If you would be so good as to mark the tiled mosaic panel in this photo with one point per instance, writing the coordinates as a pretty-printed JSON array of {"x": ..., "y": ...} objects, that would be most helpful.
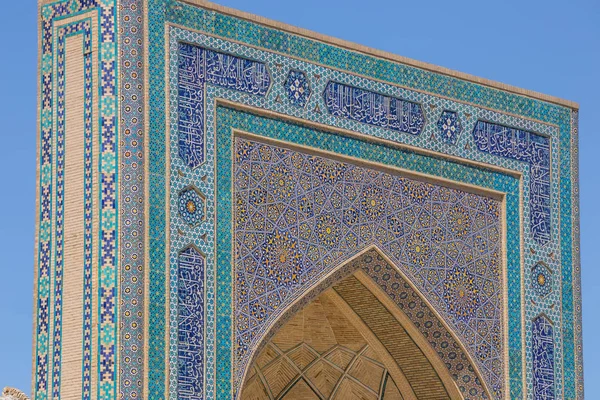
[
  {"x": 197, "y": 67},
  {"x": 190, "y": 329},
  {"x": 529, "y": 147},
  {"x": 449, "y": 126},
  {"x": 132, "y": 200},
  {"x": 513, "y": 307},
  {"x": 542, "y": 280},
  {"x": 222, "y": 25},
  {"x": 298, "y": 216},
  {"x": 191, "y": 206},
  {"x": 373, "y": 108},
  {"x": 50, "y": 243},
  {"x": 378, "y": 154},
  {"x": 297, "y": 88},
  {"x": 543, "y": 359}
]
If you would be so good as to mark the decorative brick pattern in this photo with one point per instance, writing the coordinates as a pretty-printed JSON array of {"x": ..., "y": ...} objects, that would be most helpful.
[{"x": 51, "y": 212}]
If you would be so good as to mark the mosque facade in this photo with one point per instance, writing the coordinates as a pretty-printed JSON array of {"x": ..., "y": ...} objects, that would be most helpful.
[{"x": 233, "y": 208}]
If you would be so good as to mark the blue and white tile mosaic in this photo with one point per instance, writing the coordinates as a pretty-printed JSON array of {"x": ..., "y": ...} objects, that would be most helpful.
[
  {"x": 190, "y": 328},
  {"x": 529, "y": 147},
  {"x": 192, "y": 206},
  {"x": 543, "y": 359},
  {"x": 542, "y": 280},
  {"x": 449, "y": 126},
  {"x": 373, "y": 108},
  {"x": 297, "y": 88}
]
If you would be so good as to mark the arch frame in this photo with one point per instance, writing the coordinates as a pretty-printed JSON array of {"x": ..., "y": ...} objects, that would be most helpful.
[
  {"x": 518, "y": 373},
  {"x": 340, "y": 273}
]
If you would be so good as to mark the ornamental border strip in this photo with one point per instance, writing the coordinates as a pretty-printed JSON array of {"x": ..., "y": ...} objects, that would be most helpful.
[{"x": 108, "y": 127}]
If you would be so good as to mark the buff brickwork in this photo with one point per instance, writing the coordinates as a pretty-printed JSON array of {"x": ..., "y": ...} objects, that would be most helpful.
[{"x": 245, "y": 166}]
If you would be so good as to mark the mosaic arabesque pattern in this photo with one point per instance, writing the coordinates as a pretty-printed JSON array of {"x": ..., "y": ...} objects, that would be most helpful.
[
  {"x": 297, "y": 216},
  {"x": 449, "y": 126},
  {"x": 297, "y": 88},
  {"x": 543, "y": 359},
  {"x": 542, "y": 280},
  {"x": 192, "y": 207},
  {"x": 245, "y": 31},
  {"x": 49, "y": 267},
  {"x": 132, "y": 200}
]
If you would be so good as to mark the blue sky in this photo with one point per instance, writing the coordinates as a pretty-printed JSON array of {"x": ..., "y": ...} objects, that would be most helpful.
[{"x": 548, "y": 46}]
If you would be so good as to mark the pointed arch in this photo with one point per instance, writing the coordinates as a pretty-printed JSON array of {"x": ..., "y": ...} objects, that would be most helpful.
[{"x": 357, "y": 290}]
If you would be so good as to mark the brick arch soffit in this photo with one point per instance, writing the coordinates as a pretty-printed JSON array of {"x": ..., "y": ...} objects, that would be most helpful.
[{"x": 351, "y": 267}]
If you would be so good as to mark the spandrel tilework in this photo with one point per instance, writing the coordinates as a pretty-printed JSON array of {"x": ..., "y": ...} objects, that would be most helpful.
[
  {"x": 170, "y": 183},
  {"x": 297, "y": 216}
]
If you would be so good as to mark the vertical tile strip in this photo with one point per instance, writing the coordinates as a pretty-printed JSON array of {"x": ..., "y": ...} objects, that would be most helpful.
[
  {"x": 49, "y": 194},
  {"x": 131, "y": 305}
]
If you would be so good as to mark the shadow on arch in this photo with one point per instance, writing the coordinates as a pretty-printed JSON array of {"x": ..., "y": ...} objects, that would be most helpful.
[{"x": 364, "y": 332}]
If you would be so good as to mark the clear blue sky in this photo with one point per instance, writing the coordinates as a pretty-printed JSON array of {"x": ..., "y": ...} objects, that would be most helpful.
[{"x": 544, "y": 45}]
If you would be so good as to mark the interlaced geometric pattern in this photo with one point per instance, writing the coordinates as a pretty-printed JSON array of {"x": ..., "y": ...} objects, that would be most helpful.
[
  {"x": 298, "y": 215},
  {"x": 191, "y": 206},
  {"x": 541, "y": 280},
  {"x": 543, "y": 359},
  {"x": 449, "y": 126}
]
